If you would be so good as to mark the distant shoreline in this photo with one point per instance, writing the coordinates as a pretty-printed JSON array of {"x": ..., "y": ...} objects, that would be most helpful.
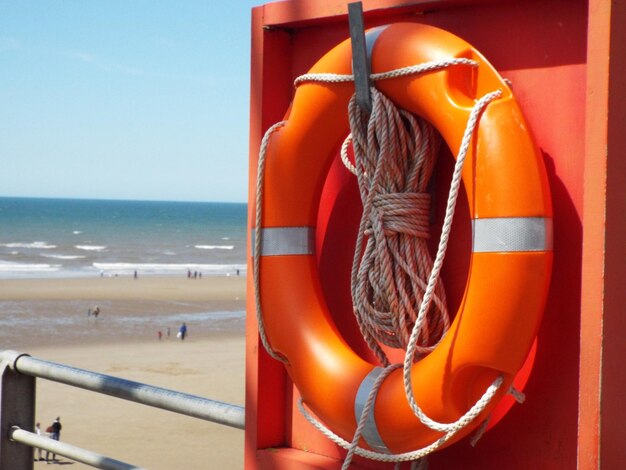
[{"x": 153, "y": 287}]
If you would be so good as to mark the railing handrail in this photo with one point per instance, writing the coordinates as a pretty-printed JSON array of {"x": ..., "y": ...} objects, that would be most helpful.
[
  {"x": 14, "y": 365},
  {"x": 178, "y": 402},
  {"x": 77, "y": 454}
]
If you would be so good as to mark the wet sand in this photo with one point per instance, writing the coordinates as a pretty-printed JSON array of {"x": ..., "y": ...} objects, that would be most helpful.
[
  {"x": 209, "y": 288},
  {"x": 52, "y": 312},
  {"x": 209, "y": 363}
]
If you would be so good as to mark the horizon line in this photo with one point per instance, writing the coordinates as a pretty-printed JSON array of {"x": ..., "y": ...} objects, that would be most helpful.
[{"x": 121, "y": 199}]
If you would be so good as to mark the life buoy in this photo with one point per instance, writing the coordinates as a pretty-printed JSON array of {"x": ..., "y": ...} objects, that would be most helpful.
[{"x": 510, "y": 207}]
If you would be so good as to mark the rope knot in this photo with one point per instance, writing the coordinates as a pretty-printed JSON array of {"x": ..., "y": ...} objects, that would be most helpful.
[{"x": 405, "y": 213}]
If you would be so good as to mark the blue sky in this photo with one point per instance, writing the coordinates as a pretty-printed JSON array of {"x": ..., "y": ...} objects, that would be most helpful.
[{"x": 130, "y": 99}]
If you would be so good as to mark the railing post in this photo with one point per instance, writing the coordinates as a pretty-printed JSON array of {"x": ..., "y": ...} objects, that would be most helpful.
[{"x": 17, "y": 408}]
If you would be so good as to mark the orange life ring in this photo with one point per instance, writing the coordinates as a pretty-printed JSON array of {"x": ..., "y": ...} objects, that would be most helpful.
[{"x": 511, "y": 259}]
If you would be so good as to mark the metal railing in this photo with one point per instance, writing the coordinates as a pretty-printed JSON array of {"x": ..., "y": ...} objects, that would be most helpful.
[
  {"x": 77, "y": 454},
  {"x": 17, "y": 408}
]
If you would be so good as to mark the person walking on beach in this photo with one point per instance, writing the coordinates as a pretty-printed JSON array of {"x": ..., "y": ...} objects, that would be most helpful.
[
  {"x": 182, "y": 331},
  {"x": 38, "y": 432},
  {"x": 96, "y": 311},
  {"x": 55, "y": 433}
]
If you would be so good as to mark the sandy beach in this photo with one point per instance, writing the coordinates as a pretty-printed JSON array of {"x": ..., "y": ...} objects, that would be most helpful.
[
  {"x": 209, "y": 289},
  {"x": 209, "y": 363}
]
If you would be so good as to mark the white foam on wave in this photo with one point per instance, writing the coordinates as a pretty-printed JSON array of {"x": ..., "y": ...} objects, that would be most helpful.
[
  {"x": 35, "y": 245},
  {"x": 55, "y": 256},
  {"x": 77, "y": 232},
  {"x": 90, "y": 247},
  {"x": 11, "y": 267},
  {"x": 215, "y": 247}
]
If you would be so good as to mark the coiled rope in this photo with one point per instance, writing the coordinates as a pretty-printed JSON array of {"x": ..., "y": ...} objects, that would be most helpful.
[
  {"x": 395, "y": 155},
  {"x": 394, "y": 280}
]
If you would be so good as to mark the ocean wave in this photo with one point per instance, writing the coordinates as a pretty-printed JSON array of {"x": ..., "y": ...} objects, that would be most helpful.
[
  {"x": 36, "y": 245},
  {"x": 10, "y": 267},
  {"x": 77, "y": 232},
  {"x": 215, "y": 247},
  {"x": 90, "y": 247},
  {"x": 52, "y": 255}
]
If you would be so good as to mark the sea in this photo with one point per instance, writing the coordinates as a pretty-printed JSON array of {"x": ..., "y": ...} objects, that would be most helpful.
[
  {"x": 70, "y": 238},
  {"x": 42, "y": 238}
]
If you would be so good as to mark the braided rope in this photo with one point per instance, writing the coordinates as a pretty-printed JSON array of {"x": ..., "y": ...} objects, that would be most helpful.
[
  {"x": 260, "y": 177},
  {"x": 480, "y": 105},
  {"x": 367, "y": 409},
  {"x": 402, "y": 457},
  {"x": 405, "y": 140},
  {"x": 518, "y": 396},
  {"x": 401, "y": 72},
  {"x": 479, "y": 432}
]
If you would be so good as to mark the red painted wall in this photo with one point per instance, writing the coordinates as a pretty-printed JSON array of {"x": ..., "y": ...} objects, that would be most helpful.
[{"x": 556, "y": 53}]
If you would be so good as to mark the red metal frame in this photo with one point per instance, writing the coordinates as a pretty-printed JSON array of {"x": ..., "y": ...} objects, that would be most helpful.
[{"x": 567, "y": 62}]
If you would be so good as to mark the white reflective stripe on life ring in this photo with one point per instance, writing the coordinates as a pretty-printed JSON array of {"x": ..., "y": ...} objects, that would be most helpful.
[
  {"x": 510, "y": 234},
  {"x": 276, "y": 241},
  {"x": 370, "y": 431}
]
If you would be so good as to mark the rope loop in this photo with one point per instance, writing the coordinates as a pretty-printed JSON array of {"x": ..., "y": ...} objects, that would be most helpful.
[
  {"x": 433, "y": 278},
  {"x": 260, "y": 177},
  {"x": 401, "y": 72}
]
